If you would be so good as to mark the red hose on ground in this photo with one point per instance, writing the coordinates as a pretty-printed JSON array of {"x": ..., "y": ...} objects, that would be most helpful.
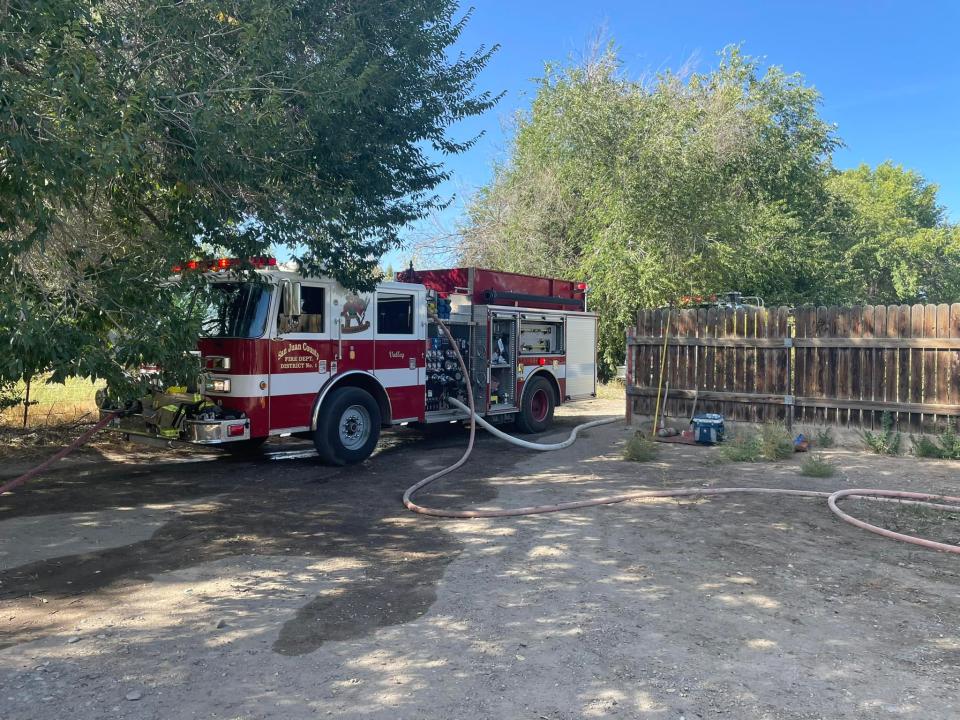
[
  {"x": 16, "y": 482},
  {"x": 911, "y": 498}
]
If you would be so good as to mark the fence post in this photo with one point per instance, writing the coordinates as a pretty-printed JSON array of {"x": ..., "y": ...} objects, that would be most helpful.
[
  {"x": 628, "y": 373},
  {"x": 788, "y": 398}
]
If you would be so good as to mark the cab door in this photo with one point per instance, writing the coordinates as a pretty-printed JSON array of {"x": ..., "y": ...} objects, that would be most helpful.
[
  {"x": 400, "y": 335},
  {"x": 301, "y": 358}
]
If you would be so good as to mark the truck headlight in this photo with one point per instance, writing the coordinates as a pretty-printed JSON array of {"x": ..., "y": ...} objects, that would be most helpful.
[{"x": 217, "y": 385}]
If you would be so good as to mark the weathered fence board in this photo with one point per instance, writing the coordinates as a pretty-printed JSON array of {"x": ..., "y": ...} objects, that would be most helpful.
[{"x": 840, "y": 365}]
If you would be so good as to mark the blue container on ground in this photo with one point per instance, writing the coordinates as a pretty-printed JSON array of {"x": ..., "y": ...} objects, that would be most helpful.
[{"x": 708, "y": 428}]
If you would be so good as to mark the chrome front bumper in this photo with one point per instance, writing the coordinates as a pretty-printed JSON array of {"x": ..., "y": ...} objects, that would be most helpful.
[
  {"x": 199, "y": 432},
  {"x": 214, "y": 432}
]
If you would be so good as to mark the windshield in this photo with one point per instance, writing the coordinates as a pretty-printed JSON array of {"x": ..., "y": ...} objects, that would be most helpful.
[{"x": 237, "y": 310}]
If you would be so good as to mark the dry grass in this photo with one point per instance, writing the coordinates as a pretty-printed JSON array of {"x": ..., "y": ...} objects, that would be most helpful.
[
  {"x": 817, "y": 466},
  {"x": 742, "y": 447},
  {"x": 15, "y": 442},
  {"x": 613, "y": 390},
  {"x": 56, "y": 404},
  {"x": 775, "y": 442},
  {"x": 640, "y": 448},
  {"x": 772, "y": 443}
]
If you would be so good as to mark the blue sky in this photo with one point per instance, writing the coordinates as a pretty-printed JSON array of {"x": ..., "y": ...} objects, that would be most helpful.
[{"x": 889, "y": 72}]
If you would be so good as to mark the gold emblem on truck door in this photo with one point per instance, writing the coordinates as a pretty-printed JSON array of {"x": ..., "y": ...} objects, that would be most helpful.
[{"x": 353, "y": 313}]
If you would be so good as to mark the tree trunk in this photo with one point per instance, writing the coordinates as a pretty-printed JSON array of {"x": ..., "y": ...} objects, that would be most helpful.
[{"x": 26, "y": 403}]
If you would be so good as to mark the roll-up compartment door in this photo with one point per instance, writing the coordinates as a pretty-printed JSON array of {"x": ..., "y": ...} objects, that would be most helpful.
[{"x": 581, "y": 371}]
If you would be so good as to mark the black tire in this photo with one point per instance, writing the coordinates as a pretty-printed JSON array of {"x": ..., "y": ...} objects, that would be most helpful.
[
  {"x": 536, "y": 406},
  {"x": 245, "y": 448},
  {"x": 358, "y": 414}
]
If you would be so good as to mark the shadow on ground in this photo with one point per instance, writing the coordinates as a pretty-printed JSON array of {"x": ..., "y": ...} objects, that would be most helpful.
[{"x": 255, "y": 508}]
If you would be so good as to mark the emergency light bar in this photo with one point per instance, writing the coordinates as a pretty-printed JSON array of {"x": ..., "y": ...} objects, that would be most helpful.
[{"x": 225, "y": 263}]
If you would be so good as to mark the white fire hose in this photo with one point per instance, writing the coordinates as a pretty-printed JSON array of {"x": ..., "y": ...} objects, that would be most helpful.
[{"x": 494, "y": 430}]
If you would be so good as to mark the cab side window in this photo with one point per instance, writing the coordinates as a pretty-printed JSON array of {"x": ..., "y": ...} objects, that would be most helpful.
[
  {"x": 311, "y": 317},
  {"x": 394, "y": 314}
]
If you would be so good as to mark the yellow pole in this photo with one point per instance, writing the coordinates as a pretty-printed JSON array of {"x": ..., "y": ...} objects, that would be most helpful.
[{"x": 663, "y": 366}]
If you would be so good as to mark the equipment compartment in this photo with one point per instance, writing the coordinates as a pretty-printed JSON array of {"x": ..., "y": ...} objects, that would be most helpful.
[
  {"x": 541, "y": 338},
  {"x": 503, "y": 363}
]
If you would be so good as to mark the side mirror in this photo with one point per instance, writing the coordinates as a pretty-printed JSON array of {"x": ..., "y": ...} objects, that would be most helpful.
[{"x": 291, "y": 297}]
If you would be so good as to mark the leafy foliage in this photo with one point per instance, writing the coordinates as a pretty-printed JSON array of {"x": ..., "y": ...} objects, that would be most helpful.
[
  {"x": 655, "y": 190},
  {"x": 742, "y": 447},
  {"x": 775, "y": 442},
  {"x": 896, "y": 243},
  {"x": 945, "y": 446},
  {"x": 10, "y": 395},
  {"x": 135, "y": 134},
  {"x": 885, "y": 442},
  {"x": 825, "y": 438},
  {"x": 771, "y": 443},
  {"x": 674, "y": 186}
]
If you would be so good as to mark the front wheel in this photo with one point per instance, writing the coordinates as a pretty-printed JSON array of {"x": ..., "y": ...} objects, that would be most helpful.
[
  {"x": 348, "y": 427},
  {"x": 536, "y": 407}
]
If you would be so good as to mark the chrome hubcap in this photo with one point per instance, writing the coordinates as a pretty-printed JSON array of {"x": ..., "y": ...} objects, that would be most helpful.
[{"x": 354, "y": 427}]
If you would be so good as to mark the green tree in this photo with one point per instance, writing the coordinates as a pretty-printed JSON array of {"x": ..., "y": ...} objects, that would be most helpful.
[
  {"x": 658, "y": 189},
  {"x": 896, "y": 243},
  {"x": 134, "y": 134}
]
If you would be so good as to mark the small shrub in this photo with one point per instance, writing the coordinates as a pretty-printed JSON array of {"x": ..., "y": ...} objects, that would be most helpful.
[
  {"x": 946, "y": 446},
  {"x": 742, "y": 448},
  {"x": 885, "y": 442},
  {"x": 825, "y": 438},
  {"x": 815, "y": 465},
  {"x": 925, "y": 447},
  {"x": 775, "y": 442},
  {"x": 949, "y": 440},
  {"x": 640, "y": 448}
]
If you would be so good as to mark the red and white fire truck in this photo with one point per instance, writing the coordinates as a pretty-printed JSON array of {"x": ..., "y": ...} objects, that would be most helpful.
[{"x": 286, "y": 354}]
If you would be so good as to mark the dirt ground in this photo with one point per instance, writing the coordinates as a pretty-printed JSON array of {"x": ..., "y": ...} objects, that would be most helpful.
[{"x": 195, "y": 585}]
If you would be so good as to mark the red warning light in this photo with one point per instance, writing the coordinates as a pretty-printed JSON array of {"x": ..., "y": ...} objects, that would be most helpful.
[
  {"x": 582, "y": 286},
  {"x": 260, "y": 262},
  {"x": 193, "y": 264}
]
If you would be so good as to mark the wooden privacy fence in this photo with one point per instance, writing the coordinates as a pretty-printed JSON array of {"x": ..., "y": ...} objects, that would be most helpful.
[{"x": 838, "y": 365}]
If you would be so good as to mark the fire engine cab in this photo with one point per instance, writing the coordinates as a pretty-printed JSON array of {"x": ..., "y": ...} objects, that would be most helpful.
[{"x": 285, "y": 354}]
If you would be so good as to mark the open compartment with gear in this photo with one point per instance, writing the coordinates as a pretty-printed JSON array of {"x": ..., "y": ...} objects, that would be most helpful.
[
  {"x": 541, "y": 334},
  {"x": 503, "y": 363},
  {"x": 444, "y": 376}
]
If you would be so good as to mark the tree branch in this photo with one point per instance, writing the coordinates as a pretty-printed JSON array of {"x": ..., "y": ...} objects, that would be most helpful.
[{"x": 151, "y": 216}]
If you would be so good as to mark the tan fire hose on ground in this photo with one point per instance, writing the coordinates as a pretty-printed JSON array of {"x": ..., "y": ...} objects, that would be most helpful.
[{"x": 832, "y": 498}]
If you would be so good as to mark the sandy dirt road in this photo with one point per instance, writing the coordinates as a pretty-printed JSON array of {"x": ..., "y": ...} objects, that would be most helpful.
[{"x": 217, "y": 588}]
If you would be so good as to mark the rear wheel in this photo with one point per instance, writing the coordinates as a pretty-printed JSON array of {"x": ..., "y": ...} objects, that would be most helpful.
[
  {"x": 348, "y": 427},
  {"x": 536, "y": 406}
]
